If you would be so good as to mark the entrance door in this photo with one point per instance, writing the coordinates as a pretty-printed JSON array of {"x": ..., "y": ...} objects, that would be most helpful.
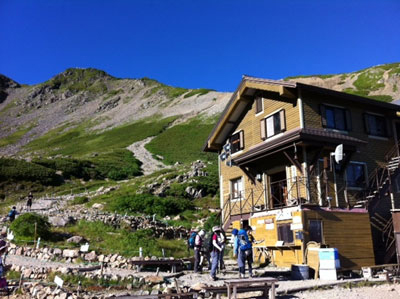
[{"x": 278, "y": 189}]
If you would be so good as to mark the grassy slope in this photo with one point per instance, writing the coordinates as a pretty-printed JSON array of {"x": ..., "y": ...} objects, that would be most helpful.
[
  {"x": 77, "y": 142},
  {"x": 183, "y": 143}
]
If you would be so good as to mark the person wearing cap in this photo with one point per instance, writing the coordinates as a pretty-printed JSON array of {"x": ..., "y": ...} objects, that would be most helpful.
[
  {"x": 215, "y": 253},
  {"x": 198, "y": 243}
]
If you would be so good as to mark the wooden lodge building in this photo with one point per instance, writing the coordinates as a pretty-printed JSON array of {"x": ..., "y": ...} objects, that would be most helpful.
[{"x": 276, "y": 140}]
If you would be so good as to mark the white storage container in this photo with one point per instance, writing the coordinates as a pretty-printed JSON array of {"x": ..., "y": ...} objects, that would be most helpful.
[{"x": 327, "y": 274}]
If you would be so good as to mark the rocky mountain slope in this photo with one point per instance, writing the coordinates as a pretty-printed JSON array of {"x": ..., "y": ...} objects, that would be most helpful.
[
  {"x": 92, "y": 96},
  {"x": 381, "y": 82},
  {"x": 99, "y": 101}
]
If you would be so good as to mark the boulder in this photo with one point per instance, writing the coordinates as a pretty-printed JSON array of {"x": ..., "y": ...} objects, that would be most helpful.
[
  {"x": 75, "y": 239},
  {"x": 72, "y": 253},
  {"x": 198, "y": 286},
  {"x": 91, "y": 256},
  {"x": 98, "y": 206},
  {"x": 58, "y": 221}
]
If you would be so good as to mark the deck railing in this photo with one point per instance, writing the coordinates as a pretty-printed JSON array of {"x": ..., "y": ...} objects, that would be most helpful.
[{"x": 283, "y": 193}]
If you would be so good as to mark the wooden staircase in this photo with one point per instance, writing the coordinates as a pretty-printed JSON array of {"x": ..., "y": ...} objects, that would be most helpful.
[{"x": 377, "y": 198}]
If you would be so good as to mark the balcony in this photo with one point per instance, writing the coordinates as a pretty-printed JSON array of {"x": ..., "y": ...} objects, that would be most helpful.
[{"x": 278, "y": 194}]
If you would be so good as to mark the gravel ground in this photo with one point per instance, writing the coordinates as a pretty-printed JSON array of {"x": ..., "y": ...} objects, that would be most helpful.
[
  {"x": 150, "y": 164},
  {"x": 385, "y": 291}
]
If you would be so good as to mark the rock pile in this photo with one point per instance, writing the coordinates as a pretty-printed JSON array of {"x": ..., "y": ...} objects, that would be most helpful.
[
  {"x": 196, "y": 170},
  {"x": 76, "y": 256},
  {"x": 160, "y": 229}
]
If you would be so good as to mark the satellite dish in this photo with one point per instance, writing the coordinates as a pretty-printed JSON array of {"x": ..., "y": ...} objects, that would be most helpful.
[{"x": 339, "y": 153}]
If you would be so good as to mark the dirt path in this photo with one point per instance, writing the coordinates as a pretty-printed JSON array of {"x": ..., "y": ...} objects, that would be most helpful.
[{"x": 150, "y": 164}]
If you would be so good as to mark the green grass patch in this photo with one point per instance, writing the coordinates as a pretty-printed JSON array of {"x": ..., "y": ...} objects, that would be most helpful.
[
  {"x": 15, "y": 137},
  {"x": 369, "y": 80},
  {"x": 8, "y": 107},
  {"x": 149, "y": 204},
  {"x": 79, "y": 200},
  {"x": 198, "y": 92},
  {"x": 107, "y": 239},
  {"x": 20, "y": 170},
  {"x": 183, "y": 143},
  {"x": 30, "y": 226},
  {"x": 77, "y": 142},
  {"x": 76, "y": 80}
]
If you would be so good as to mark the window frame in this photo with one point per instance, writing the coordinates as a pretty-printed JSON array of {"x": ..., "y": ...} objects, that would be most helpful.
[
  {"x": 281, "y": 115},
  {"x": 261, "y": 99},
  {"x": 367, "y": 125},
  {"x": 231, "y": 189},
  {"x": 364, "y": 164},
  {"x": 346, "y": 116},
  {"x": 239, "y": 140},
  {"x": 279, "y": 236},
  {"x": 321, "y": 233}
]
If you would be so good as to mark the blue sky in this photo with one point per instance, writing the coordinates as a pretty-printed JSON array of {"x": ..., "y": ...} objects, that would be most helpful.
[{"x": 196, "y": 43}]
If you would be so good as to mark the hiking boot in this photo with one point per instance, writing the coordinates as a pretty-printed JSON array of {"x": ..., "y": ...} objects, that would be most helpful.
[{"x": 215, "y": 278}]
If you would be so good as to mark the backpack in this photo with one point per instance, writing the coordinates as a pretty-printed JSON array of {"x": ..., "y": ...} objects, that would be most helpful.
[
  {"x": 11, "y": 213},
  {"x": 192, "y": 239},
  {"x": 244, "y": 243}
]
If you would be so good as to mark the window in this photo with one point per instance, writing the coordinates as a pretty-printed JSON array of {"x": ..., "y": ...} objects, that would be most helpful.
[
  {"x": 315, "y": 230},
  {"x": 355, "y": 175},
  {"x": 375, "y": 125},
  {"x": 335, "y": 118},
  {"x": 237, "y": 189},
  {"x": 259, "y": 105},
  {"x": 237, "y": 142},
  {"x": 273, "y": 124},
  {"x": 285, "y": 234}
]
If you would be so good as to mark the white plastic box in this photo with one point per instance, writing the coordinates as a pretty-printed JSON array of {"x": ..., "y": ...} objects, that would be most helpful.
[{"x": 327, "y": 274}]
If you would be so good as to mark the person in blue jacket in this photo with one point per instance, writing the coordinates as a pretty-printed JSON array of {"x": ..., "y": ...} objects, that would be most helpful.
[{"x": 244, "y": 251}]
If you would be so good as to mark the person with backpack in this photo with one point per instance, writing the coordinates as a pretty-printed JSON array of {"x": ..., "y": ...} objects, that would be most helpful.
[
  {"x": 11, "y": 215},
  {"x": 216, "y": 252},
  {"x": 198, "y": 243},
  {"x": 244, "y": 252},
  {"x": 191, "y": 240}
]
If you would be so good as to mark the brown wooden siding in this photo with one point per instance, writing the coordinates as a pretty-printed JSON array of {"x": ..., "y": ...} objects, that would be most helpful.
[{"x": 349, "y": 232}]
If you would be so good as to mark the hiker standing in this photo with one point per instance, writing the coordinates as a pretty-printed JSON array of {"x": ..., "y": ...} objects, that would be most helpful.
[
  {"x": 222, "y": 241},
  {"x": 244, "y": 252},
  {"x": 215, "y": 253},
  {"x": 198, "y": 243},
  {"x": 29, "y": 202},
  {"x": 12, "y": 214}
]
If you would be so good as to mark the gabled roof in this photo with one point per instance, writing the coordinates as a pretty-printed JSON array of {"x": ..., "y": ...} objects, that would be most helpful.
[{"x": 243, "y": 98}]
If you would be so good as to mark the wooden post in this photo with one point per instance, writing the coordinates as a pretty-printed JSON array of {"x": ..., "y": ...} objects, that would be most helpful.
[
  {"x": 34, "y": 236},
  {"x": 178, "y": 290},
  {"x": 272, "y": 291}
]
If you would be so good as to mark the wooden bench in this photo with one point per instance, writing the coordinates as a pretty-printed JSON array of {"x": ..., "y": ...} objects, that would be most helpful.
[{"x": 266, "y": 284}]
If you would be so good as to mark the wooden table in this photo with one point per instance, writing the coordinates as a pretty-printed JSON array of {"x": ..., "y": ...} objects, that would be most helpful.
[{"x": 267, "y": 282}]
